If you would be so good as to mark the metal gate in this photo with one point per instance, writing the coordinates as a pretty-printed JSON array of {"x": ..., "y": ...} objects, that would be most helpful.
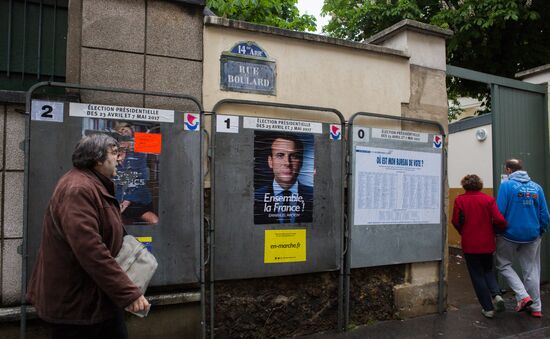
[{"x": 520, "y": 130}]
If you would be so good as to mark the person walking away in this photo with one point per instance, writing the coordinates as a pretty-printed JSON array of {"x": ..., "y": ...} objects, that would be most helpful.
[
  {"x": 474, "y": 214},
  {"x": 523, "y": 204}
]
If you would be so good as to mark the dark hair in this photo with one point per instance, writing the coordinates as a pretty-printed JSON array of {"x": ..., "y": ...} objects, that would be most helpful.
[
  {"x": 298, "y": 144},
  {"x": 514, "y": 164},
  {"x": 92, "y": 149},
  {"x": 472, "y": 182}
]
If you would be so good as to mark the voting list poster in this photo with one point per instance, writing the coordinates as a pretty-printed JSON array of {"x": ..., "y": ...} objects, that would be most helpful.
[{"x": 396, "y": 186}]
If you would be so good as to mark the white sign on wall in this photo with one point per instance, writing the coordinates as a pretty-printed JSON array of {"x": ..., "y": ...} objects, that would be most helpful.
[{"x": 397, "y": 186}]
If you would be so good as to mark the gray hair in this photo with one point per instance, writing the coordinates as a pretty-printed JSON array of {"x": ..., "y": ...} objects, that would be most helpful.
[{"x": 92, "y": 149}]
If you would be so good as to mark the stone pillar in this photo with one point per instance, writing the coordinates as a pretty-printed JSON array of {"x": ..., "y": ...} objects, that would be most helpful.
[{"x": 428, "y": 100}]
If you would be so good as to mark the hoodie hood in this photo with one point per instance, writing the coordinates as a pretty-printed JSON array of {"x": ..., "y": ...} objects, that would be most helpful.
[{"x": 520, "y": 176}]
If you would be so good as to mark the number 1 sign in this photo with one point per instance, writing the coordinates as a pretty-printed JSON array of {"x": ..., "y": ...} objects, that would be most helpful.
[{"x": 227, "y": 123}]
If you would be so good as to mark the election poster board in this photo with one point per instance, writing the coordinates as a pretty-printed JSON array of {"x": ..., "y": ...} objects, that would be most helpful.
[
  {"x": 158, "y": 182},
  {"x": 269, "y": 176},
  {"x": 397, "y": 196}
]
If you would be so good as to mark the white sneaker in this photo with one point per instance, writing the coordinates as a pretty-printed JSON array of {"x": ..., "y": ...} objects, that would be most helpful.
[
  {"x": 498, "y": 302},
  {"x": 488, "y": 314}
]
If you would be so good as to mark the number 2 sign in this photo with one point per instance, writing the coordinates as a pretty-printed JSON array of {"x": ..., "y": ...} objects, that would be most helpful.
[{"x": 47, "y": 111}]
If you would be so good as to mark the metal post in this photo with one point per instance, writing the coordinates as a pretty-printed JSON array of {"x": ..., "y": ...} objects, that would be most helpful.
[
  {"x": 442, "y": 294},
  {"x": 349, "y": 179},
  {"x": 24, "y": 41},
  {"x": 211, "y": 230},
  {"x": 52, "y": 76},
  {"x": 8, "y": 56},
  {"x": 39, "y": 49}
]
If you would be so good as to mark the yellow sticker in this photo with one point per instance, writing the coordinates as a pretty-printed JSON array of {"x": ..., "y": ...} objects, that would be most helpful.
[
  {"x": 284, "y": 246},
  {"x": 144, "y": 239}
]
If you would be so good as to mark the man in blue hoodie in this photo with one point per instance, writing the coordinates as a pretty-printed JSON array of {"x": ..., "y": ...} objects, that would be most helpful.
[{"x": 522, "y": 203}]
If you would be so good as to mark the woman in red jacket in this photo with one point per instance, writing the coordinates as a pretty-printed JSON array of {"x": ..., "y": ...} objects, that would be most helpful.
[{"x": 474, "y": 216}]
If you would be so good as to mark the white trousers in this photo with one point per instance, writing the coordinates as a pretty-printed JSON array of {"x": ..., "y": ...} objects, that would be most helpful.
[{"x": 528, "y": 256}]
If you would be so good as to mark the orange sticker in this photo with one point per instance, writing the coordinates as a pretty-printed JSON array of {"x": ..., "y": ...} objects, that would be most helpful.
[{"x": 147, "y": 142}]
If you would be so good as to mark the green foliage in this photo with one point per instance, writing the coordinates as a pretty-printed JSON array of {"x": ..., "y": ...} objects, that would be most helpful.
[
  {"x": 359, "y": 19},
  {"x": 277, "y": 13},
  {"x": 454, "y": 109},
  {"x": 500, "y": 37}
]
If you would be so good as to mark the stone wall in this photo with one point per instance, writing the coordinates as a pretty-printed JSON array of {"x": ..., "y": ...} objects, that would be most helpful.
[
  {"x": 148, "y": 45},
  {"x": 12, "y": 131},
  {"x": 401, "y": 72}
]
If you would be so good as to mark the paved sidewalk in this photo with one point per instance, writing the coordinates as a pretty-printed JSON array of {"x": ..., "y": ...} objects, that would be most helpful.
[
  {"x": 467, "y": 322},
  {"x": 463, "y": 318}
]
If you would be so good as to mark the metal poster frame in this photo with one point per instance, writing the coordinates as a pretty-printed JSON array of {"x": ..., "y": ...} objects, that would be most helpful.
[
  {"x": 24, "y": 253},
  {"x": 211, "y": 230},
  {"x": 351, "y": 193}
]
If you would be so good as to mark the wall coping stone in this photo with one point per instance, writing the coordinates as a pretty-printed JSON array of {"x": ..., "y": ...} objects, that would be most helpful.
[
  {"x": 192, "y": 2},
  {"x": 532, "y": 71},
  {"x": 242, "y": 25},
  {"x": 470, "y": 122},
  {"x": 410, "y": 25}
]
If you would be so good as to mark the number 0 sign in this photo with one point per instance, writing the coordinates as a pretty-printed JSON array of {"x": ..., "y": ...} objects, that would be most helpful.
[{"x": 47, "y": 111}]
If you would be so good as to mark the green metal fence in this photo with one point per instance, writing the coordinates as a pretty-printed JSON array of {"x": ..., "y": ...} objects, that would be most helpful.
[
  {"x": 520, "y": 130},
  {"x": 33, "y": 42}
]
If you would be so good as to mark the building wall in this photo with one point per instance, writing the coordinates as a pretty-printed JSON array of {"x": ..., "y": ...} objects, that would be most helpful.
[
  {"x": 12, "y": 129},
  {"x": 372, "y": 78},
  {"x": 143, "y": 45},
  {"x": 313, "y": 73},
  {"x": 467, "y": 155},
  {"x": 538, "y": 78}
]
